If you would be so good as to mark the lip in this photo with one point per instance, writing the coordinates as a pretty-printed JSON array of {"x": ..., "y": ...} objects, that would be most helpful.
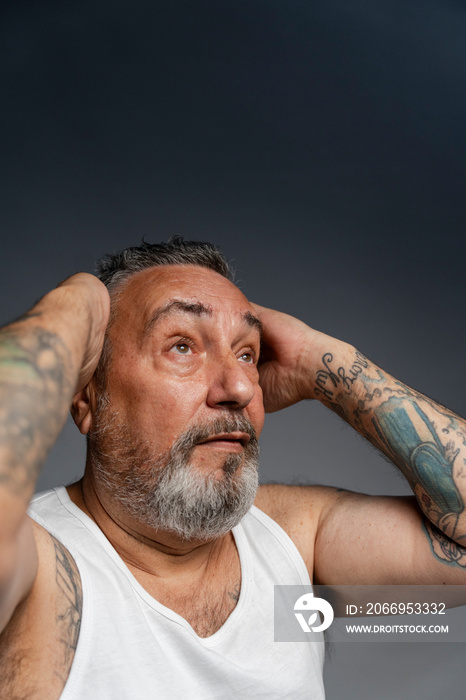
[{"x": 229, "y": 439}]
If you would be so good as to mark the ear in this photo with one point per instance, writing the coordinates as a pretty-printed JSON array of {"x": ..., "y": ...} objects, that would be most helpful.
[{"x": 82, "y": 408}]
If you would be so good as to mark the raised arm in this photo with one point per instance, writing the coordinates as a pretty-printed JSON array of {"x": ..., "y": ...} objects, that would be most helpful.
[
  {"x": 45, "y": 357},
  {"x": 426, "y": 441}
]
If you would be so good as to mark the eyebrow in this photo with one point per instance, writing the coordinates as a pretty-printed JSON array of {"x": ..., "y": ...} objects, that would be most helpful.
[
  {"x": 253, "y": 322},
  {"x": 196, "y": 309},
  {"x": 177, "y": 305}
]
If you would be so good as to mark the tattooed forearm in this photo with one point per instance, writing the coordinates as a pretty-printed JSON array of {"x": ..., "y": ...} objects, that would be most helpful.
[
  {"x": 332, "y": 377},
  {"x": 426, "y": 441},
  {"x": 412, "y": 440},
  {"x": 35, "y": 391}
]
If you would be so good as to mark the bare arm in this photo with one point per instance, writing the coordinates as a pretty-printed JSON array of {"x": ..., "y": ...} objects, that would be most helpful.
[
  {"x": 45, "y": 357},
  {"x": 426, "y": 441}
]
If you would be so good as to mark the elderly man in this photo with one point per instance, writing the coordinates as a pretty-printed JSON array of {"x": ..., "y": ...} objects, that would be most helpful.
[{"x": 153, "y": 576}]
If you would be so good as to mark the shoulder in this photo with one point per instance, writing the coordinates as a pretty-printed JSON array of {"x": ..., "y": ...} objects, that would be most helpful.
[
  {"x": 38, "y": 645},
  {"x": 289, "y": 505},
  {"x": 298, "y": 510}
]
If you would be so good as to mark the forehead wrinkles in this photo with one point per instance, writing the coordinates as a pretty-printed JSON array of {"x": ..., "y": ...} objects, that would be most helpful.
[{"x": 154, "y": 294}]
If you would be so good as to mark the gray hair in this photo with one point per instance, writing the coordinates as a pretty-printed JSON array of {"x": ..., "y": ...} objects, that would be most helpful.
[{"x": 114, "y": 269}]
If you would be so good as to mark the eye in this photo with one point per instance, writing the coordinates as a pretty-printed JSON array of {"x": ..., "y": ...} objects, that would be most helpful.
[
  {"x": 247, "y": 357},
  {"x": 181, "y": 349}
]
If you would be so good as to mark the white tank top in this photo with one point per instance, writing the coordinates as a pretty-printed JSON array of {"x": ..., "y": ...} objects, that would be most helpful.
[{"x": 131, "y": 647}]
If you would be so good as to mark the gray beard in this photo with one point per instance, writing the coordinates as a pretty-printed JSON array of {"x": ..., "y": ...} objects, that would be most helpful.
[{"x": 167, "y": 493}]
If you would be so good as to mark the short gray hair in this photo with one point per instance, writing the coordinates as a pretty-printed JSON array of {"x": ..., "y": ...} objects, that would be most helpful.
[{"x": 115, "y": 268}]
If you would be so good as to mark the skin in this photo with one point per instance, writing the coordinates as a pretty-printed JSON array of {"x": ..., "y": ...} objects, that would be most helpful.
[
  {"x": 169, "y": 371},
  {"x": 167, "y": 375}
]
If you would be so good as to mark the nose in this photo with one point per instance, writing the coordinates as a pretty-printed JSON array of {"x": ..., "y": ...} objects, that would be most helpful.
[{"x": 230, "y": 384}]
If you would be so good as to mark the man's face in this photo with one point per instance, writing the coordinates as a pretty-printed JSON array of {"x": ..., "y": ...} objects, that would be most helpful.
[{"x": 185, "y": 345}]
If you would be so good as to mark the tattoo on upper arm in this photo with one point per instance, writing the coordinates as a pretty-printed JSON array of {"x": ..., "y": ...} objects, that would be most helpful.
[
  {"x": 69, "y": 611},
  {"x": 443, "y": 547},
  {"x": 235, "y": 593},
  {"x": 35, "y": 391}
]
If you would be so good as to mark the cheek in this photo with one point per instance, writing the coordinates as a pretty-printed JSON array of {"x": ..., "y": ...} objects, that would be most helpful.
[
  {"x": 162, "y": 407},
  {"x": 256, "y": 411}
]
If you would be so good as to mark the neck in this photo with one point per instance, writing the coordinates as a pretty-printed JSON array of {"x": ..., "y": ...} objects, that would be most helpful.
[{"x": 155, "y": 552}]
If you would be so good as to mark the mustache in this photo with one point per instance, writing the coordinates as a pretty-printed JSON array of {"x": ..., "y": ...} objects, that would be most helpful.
[
  {"x": 224, "y": 424},
  {"x": 107, "y": 431}
]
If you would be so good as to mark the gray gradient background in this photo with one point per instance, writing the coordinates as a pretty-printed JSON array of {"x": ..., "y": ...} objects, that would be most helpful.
[{"x": 321, "y": 145}]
